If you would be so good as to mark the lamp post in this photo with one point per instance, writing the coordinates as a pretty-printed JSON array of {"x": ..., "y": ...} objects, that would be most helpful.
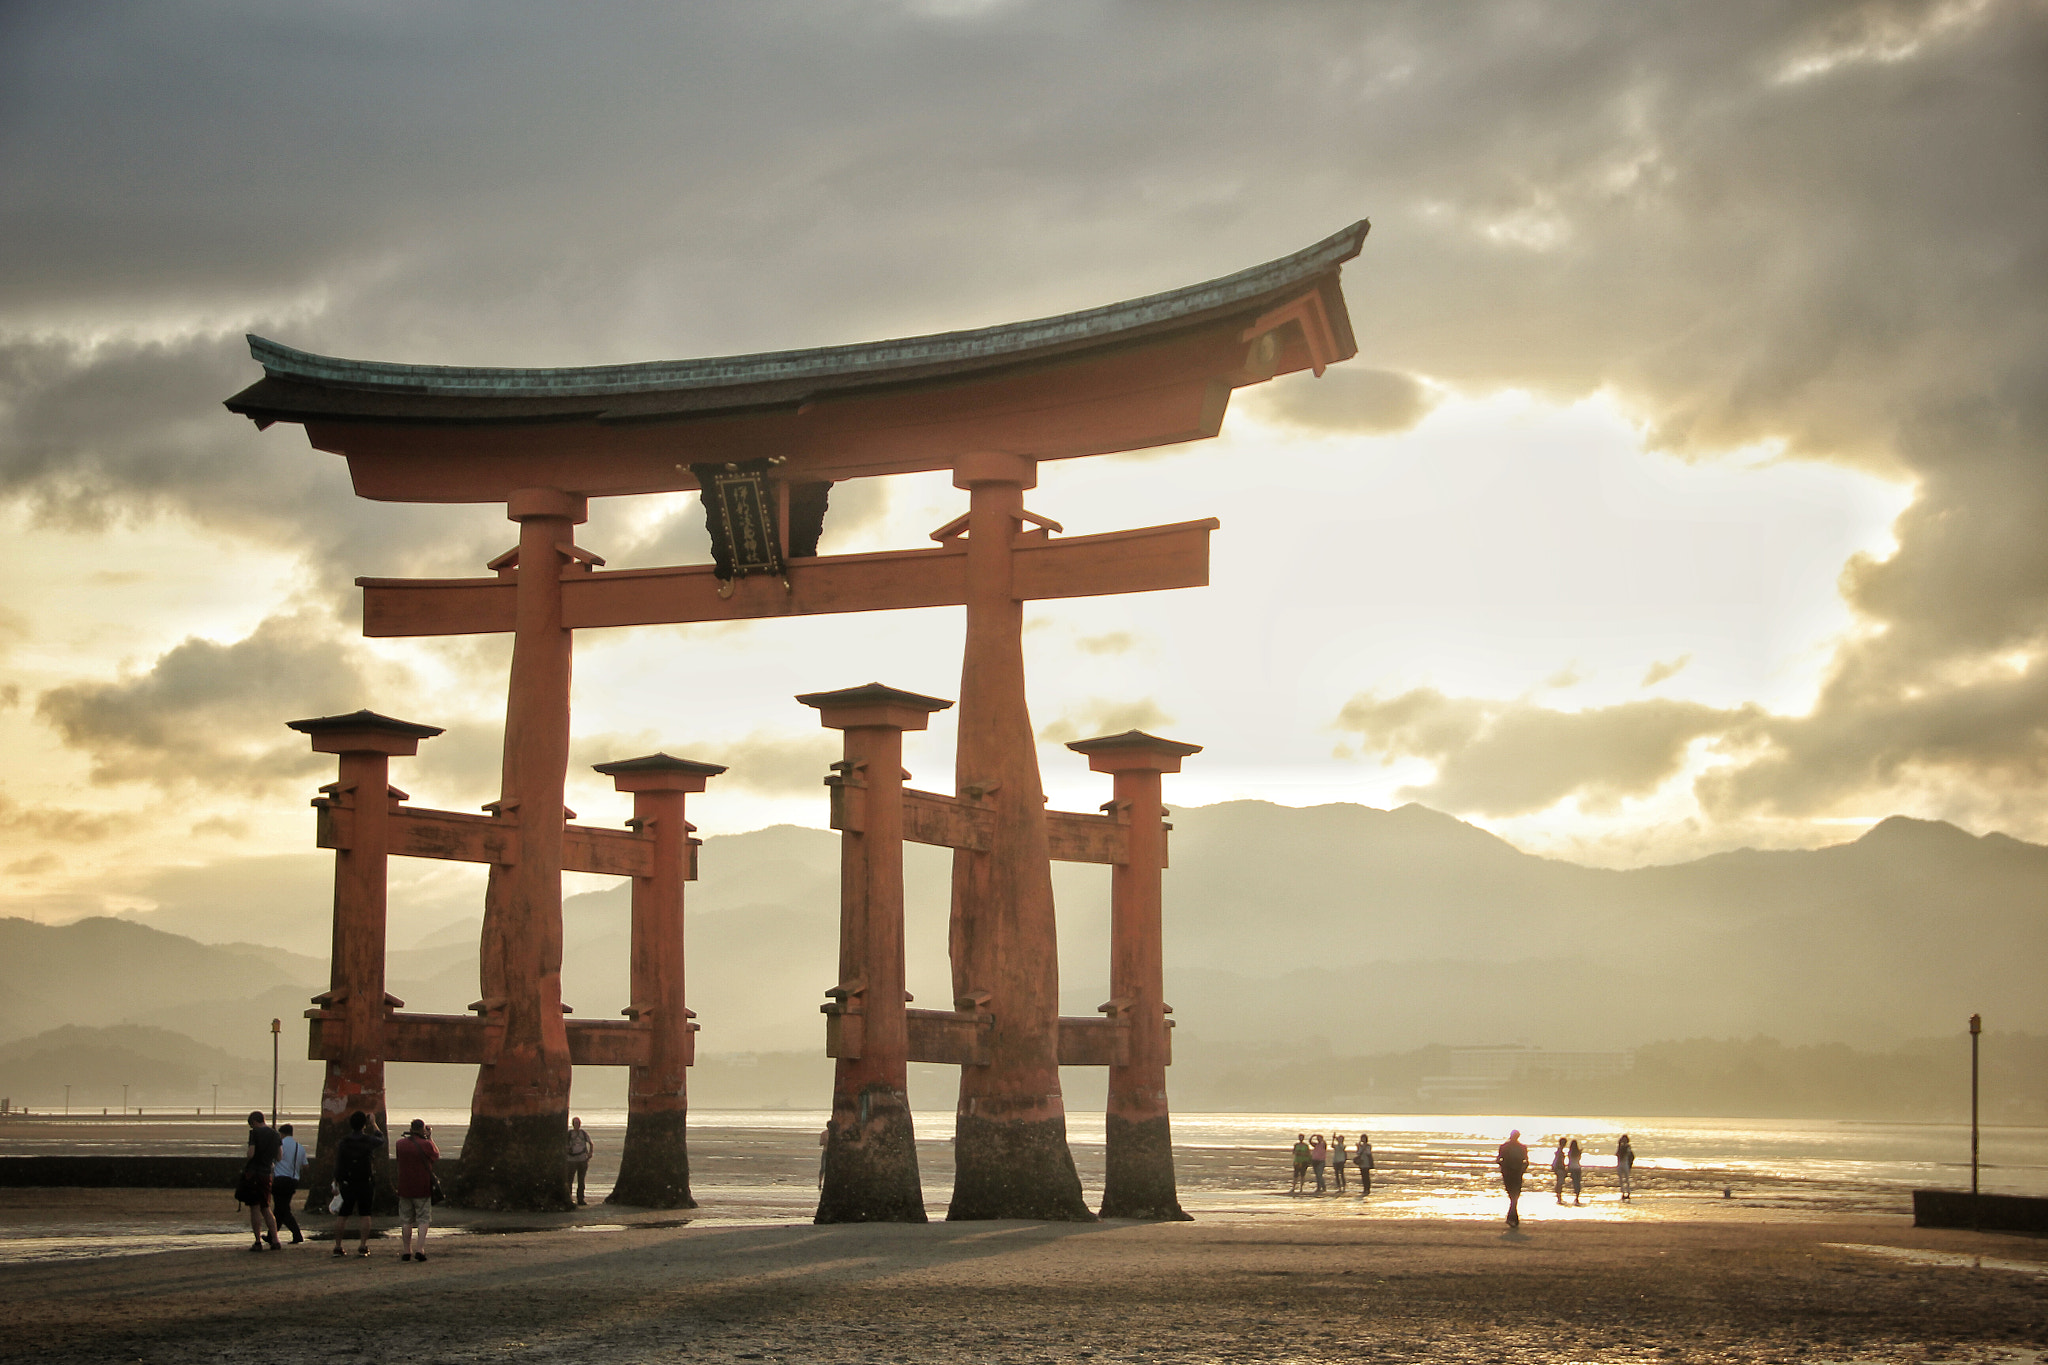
[
  {"x": 1976, "y": 1030},
  {"x": 216, "y": 1099},
  {"x": 67, "y": 1101},
  {"x": 276, "y": 1032}
]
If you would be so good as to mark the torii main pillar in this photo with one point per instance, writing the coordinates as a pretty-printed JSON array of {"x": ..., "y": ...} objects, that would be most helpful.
[
  {"x": 1010, "y": 1132},
  {"x": 519, "y": 1114}
]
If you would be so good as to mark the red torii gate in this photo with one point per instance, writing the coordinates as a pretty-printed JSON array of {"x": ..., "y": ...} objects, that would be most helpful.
[{"x": 764, "y": 436}]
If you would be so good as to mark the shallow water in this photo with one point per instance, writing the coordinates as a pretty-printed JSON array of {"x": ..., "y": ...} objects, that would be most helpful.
[{"x": 755, "y": 1168}]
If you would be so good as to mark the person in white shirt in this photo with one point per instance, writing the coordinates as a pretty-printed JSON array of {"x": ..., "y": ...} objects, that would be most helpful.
[{"x": 284, "y": 1181}]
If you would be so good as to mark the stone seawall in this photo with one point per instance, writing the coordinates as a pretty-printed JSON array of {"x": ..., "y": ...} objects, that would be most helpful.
[{"x": 1989, "y": 1212}]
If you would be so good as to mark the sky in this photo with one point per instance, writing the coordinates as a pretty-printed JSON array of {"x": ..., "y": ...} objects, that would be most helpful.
[{"x": 1685, "y": 493}]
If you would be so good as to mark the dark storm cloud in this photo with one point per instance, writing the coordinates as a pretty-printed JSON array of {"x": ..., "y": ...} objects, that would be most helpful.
[
  {"x": 1816, "y": 223},
  {"x": 210, "y": 714}
]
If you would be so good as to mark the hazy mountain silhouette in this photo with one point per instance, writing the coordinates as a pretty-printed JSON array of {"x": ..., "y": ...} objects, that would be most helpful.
[
  {"x": 149, "y": 1067},
  {"x": 1373, "y": 931}
]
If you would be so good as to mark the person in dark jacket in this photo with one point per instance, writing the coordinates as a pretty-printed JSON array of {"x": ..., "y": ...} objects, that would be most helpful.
[
  {"x": 355, "y": 1173},
  {"x": 254, "y": 1187},
  {"x": 1513, "y": 1158}
]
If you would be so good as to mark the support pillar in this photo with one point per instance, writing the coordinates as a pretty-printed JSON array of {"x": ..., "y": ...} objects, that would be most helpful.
[
  {"x": 870, "y": 1171},
  {"x": 1010, "y": 1151},
  {"x": 512, "y": 1157},
  {"x": 349, "y": 1018},
  {"x": 1138, "y": 1180},
  {"x": 654, "y": 1165}
]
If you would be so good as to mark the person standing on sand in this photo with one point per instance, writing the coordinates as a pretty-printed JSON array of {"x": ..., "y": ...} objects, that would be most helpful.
[
  {"x": 356, "y": 1177},
  {"x": 1557, "y": 1170},
  {"x": 1300, "y": 1163},
  {"x": 254, "y": 1187},
  {"x": 1572, "y": 1164},
  {"x": 1318, "y": 1155},
  {"x": 1513, "y": 1158},
  {"x": 1365, "y": 1165},
  {"x": 416, "y": 1154},
  {"x": 284, "y": 1181},
  {"x": 1338, "y": 1156},
  {"x": 1625, "y": 1166},
  {"x": 580, "y": 1150}
]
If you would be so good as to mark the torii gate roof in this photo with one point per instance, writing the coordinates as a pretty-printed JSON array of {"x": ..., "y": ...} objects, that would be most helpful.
[{"x": 1146, "y": 372}]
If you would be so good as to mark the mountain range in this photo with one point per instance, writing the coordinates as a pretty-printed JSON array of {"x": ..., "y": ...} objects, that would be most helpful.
[{"x": 1331, "y": 930}]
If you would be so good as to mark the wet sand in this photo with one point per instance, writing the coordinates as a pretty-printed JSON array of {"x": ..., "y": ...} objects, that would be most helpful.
[{"x": 1423, "y": 1271}]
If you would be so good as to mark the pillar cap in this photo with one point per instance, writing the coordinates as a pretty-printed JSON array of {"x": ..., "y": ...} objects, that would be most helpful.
[
  {"x": 977, "y": 467},
  {"x": 874, "y": 706},
  {"x": 658, "y": 772},
  {"x": 364, "y": 732},
  {"x": 526, "y": 503},
  {"x": 1134, "y": 751}
]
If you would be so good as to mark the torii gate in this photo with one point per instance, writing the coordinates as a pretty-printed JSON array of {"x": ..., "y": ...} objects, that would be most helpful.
[{"x": 763, "y": 437}]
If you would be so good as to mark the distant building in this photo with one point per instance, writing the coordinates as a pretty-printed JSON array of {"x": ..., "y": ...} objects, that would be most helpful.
[{"x": 1477, "y": 1072}]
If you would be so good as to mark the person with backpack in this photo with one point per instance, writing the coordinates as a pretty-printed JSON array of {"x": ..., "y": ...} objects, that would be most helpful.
[
  {"x": 355, "y": 1177},
  {"x": 1366, "y": 1163},
  {"x": 254, "y": 1185},
  {"x": 581, "y": 1149}
]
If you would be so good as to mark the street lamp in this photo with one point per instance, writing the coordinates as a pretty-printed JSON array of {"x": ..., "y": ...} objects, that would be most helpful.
[
  {"x": 67, "y": 1101},
  {"x": 276, "y": 1031},
  {"x": 1976, "y": 1029},
  {"x": 216, "y": 1099},
  {"x": 124, "y": 1098}
]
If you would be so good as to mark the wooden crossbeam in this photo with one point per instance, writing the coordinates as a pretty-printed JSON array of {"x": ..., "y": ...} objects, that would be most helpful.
[
  {"x": 470, "y": 1039},
  {"x": 961, "y": 1039},
  {"x": 1151, "y": 559},
  {"x": 417, "y": 832},
  {"x": 950, "y": 822}
]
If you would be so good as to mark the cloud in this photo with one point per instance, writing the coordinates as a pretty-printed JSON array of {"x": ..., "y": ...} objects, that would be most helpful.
[
  {"x": 1103, "y": 717},
  {"x": 1980, "y": 743},
  {"x": 1351, "y": 399},
  {"x": 1809, "y": 227},
  {"x": 54, "y": 824},
  {"x": 768, "y": 762},
  {"x": 1664, "y": 669},
  {"x": 1514, "y": 758},
  {"x": 212, "y": 714}
]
